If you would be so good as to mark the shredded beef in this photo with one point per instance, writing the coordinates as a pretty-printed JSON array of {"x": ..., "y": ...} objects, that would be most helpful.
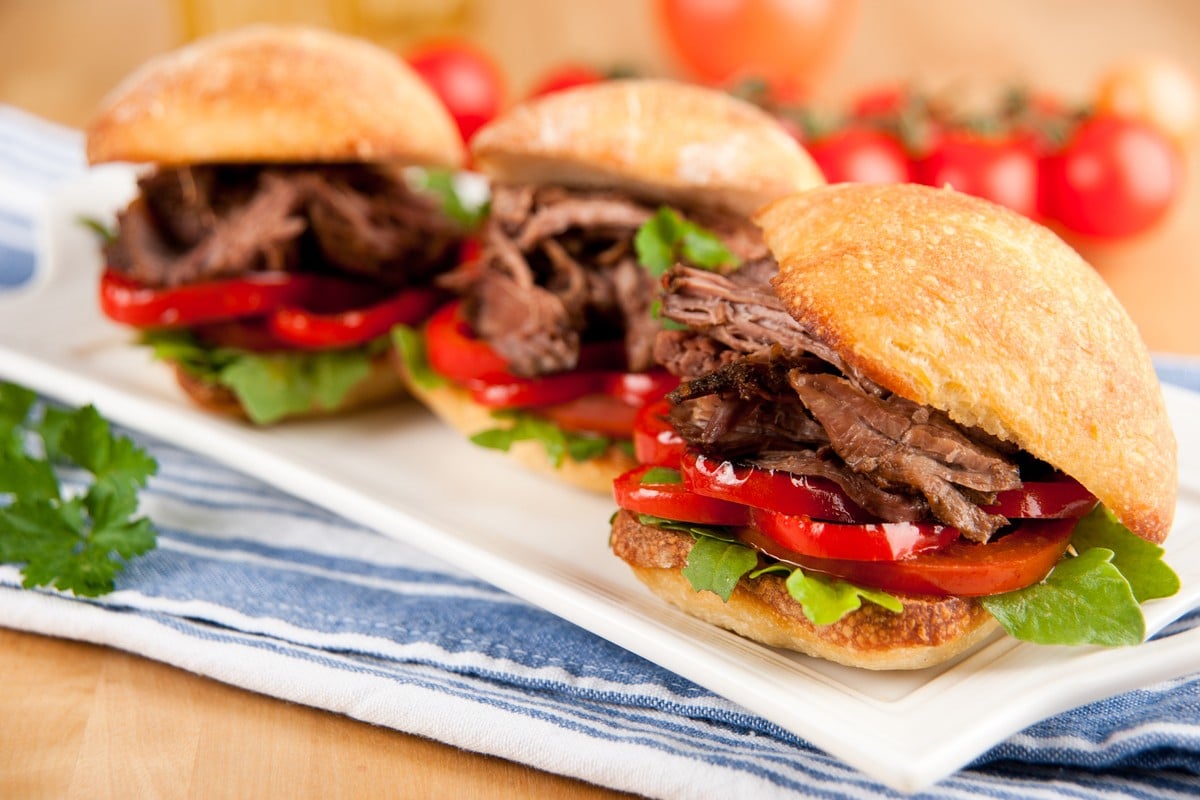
[
  {"x": 568, "y": 255},
  {"x": 217, "y": 221}
]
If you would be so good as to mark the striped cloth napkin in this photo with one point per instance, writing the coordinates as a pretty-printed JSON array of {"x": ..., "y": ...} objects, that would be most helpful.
[{"x": 265, "y": 591}]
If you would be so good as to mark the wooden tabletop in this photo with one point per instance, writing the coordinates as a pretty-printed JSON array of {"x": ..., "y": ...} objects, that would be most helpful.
[{"x": 89, "y": 721}]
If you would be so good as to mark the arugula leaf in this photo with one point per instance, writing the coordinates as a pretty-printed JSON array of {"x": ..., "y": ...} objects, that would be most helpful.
[
  {"x": 1094, "y": 597},
  {"x": 667, "y": 238},
  {"x": 107, "y": 234},
  {"x": 825, "y": 599},
  {"x": 410, "y": 345},
  {"x": 558, "y": 443},
  {"x": 717, "y": 565},
  {"x": 444, "y": 185},
  {"x": 270, "y": 386},
  {"x": 1140, "y": 561},
  {"x": 1084, "y": 600},
  {"x": 75, "y": 543}
]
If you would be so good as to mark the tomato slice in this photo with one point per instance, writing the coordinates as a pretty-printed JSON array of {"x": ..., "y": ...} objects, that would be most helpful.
[
  {"x": 124, "y": 300},
  {"x": 655, "y": 440},
  {"x": 872, "y": 541},
  {"x": 776, "y": 490},
  {"x": 673, "y": 500},
  {"x": 300, "y": 327},
  {"x": 593, "y": 413},
  {"x": 1060, "y": 498},
  {"x": 965, "y": 569},
  {"x": 454, "y": 351},
  {"x": 509, "y": 391},
  {"x": 640, "y": 388}
]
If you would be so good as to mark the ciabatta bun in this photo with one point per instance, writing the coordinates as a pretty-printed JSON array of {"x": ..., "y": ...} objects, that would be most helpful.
[
  {"x": 454, "y": 406},
  {"x": 929, "y": 631},
  {"x": 656, "y": 139},
  {"x": 959, "y": 304},
  {"x": 274, "y": 93}
]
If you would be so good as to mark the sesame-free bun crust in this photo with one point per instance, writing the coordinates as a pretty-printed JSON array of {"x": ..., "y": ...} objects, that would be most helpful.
[
  {"x": 271, "y": 93},
  {"x": 454, "y": 406},
  {"x": 381, "y": 385},
  {"x": 957, "y": 303},
  {"x": 658, "y": 139},
  {"x": 930, "y": 630}
]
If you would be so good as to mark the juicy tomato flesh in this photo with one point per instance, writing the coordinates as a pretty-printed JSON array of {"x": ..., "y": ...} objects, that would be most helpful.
[
  {"x": 673, "y": 501},
  {"x": 964, "y": 569},
  {"x": 655, "y": 440},
  {"x": 299, "y": 310}
]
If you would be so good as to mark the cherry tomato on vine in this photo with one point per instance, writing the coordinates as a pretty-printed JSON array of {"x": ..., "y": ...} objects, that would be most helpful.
[
  {"x": 1155, "y": 90},
  {"x": 1002, "y": 169},
  {"x": 1114, "y": 178},
  {"x": 861, "y": 155},
  {"x": 465, "y": 78}
]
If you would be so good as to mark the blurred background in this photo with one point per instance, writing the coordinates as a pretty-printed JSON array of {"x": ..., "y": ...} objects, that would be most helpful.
[{"x": 960, "y": 86}]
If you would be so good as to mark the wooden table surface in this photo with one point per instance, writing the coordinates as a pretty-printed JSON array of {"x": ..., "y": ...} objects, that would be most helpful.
[{"x": 89, "y": 721}]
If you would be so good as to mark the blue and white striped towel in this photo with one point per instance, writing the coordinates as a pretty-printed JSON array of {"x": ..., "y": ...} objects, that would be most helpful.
[{"x": 265, "y": 591}]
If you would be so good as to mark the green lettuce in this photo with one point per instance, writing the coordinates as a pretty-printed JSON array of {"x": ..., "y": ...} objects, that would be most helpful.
[{"x": 270, "y": 386}]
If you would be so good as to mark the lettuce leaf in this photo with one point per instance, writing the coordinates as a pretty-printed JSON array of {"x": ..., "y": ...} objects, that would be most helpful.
[
  {"x": 558, "y": 443},
  {"x": 1092, "y": 597},
  {"x": 270, "y": 386}
]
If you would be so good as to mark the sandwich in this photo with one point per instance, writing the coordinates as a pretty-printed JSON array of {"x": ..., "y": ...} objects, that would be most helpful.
[
  {"x": 921, "y": 419},
  {"x": 281, "y": 225},
  {"x": 546, "y": 351}
]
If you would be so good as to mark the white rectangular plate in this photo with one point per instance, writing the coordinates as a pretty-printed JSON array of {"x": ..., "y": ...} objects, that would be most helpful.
[{"x": 400, "y": 472}]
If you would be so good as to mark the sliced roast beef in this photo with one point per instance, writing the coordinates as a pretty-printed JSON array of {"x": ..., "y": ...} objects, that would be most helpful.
[
  {"x": 732, "y": 428},
  {"x": 890, "y": 503},
  {"x": 578, "y": 246},
  {"x": 897, "y": 441},
  {"x": 216, "y": 221}
]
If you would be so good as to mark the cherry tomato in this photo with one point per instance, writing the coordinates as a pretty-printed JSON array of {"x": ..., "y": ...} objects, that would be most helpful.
[
  {"x": 304, "y": 328},
  {"x": 565, "y": 76},
  {"x": 861, "y": 155},
  {"x": 126, "y": 301},
  {"x": 780, "y": 42},
  {"x": 1155, "y": 90},
  {"x": 465, "y": 78},
  {"x": 873, "y": 541},
  {"x": 1116, "y": 177},
  {"x": 454, "y": 351},
  {"x": 655, "y": 441},
  {"x": 965, "y": 569},
  {"x": 1004, "y": 170},
  {"x": 673, "y": 500}
]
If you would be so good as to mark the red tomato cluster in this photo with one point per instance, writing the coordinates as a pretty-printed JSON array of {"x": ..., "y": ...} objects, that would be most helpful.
[{"x": 1095, "y": 172}]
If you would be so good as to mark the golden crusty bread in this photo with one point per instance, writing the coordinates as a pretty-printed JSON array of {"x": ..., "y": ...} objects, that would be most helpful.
[
  {"x": 929, "y": 631},
  {"x": 962, "y": 305},
  {"x": 454, "y": 406},
  {"x": 665, "y": 141},
  {"x": 381, "y": 385},
  {"x": 274, "y": 93}
]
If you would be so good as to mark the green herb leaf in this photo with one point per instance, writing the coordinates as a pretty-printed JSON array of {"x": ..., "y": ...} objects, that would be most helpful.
[
  {"x": 106, "y": 233},
  {"x": 826, "y": 600},
  {"x": 1140, "y": 561},
  {"x": 443, "y": 185},
  {"x": 716, "y": 565},
  {"x": 558, "y": 444},
  {"x": 667, "y": 238},
  {"x": 662, "y": 475},
  {"x": 410, "y": 345},
  {"x": 1084, "y": 600},
  {"x": 77, "y": 543}
]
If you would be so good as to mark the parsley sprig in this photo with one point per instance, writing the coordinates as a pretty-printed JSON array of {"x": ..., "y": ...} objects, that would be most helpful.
[{"x": 72, "y": 541}]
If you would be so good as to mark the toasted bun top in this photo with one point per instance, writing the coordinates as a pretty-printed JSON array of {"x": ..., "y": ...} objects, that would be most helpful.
[
  {"x": 666, "y": 141},
  {"x": 275, "y": 94},
  {"x": 962, "y": 305}
]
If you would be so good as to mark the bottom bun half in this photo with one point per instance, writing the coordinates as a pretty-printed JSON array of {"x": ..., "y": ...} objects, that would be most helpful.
[
  {"x": 930, "y": 630},
  {"x": 454, "y": 406},
  {"x": 380, "y": 386}
]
